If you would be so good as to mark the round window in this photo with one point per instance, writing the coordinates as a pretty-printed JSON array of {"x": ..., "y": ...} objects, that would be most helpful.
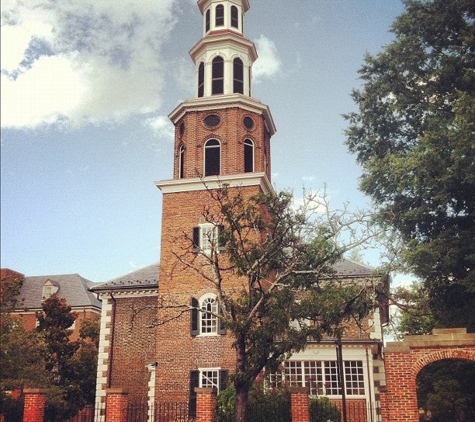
[
  {"x": 212, "y": 120},
  {"x": 248, "y": 122}
]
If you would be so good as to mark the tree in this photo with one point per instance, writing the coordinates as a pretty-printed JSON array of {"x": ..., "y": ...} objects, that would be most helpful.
[
  {"x": 446, "y": 391},
  {"x": 413, "y": 314},
  {"x": 72, "y": 365},
  {"x": 414, "y": 135},
  {"x": 283, "y": 257}
]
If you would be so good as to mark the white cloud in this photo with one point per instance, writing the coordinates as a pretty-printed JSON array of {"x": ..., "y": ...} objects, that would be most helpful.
[
  {"x": 161, "y": 126},
  {"x": 82, "y": 60},
  {"x": 268, "y": 64}
]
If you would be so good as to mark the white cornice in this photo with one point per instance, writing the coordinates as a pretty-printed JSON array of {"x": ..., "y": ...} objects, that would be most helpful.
[
  {"x": 203, "y": 4},
  {"x": 223, "y": 39},
  {"x": 216, "y": 182},
  {"x": 219, "y": 102}
]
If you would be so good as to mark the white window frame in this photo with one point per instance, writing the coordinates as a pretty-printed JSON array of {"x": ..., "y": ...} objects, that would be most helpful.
[
  {"x": 209, "y": 382},
  {"x": 209, "y": 233},
  {"x": 321, "y": 377},
  {"x": 206, "y": 320}
]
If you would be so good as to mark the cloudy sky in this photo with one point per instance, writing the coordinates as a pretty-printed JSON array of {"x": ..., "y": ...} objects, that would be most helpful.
[{"x": 86, "y": 87}]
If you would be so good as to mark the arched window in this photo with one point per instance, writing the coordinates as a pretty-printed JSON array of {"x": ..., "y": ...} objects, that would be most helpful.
[
  {"x": 208, "y": 318},
  {"x": 219, "y": 15},
  {"x": 208, "y": 20},
  {"x": 181, "y": 162},
  {"x": 201, "y": 79},
  {"x": 238, "y": 76},
  {"x": 218, "y": 76},
  {"x": 204, "y": 316},
  {"x": 234, "y": 17},
  {"x": 248, "y": 156},
  {"x": 212, "y": 157}
]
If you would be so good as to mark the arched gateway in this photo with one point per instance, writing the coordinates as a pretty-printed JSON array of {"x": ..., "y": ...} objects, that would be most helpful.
[{"x": 404, "y": 360}]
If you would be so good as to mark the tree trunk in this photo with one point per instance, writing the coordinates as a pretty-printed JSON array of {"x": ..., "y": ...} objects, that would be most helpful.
[
  {"x": 241, "y": 405},
  {"x": 241, "y": 381}
]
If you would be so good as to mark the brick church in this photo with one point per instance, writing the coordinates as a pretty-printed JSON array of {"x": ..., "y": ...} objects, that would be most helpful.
[{"x": 222, "y": 136}]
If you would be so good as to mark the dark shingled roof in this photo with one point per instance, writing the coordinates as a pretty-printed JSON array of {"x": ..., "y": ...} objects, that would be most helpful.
[
  {"x": 72, "y": 287},
  {"x": 347, "y": 267},
  {"x": 144, "y": 278}
]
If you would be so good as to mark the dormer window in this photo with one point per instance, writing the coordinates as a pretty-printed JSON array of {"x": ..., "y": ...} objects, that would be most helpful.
[
  {"x": 49, "y": 289},
  {"x": 219, "y": 15}
]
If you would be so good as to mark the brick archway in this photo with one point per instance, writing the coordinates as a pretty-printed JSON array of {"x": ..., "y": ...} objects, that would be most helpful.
[{"x": 404, "y": 360}]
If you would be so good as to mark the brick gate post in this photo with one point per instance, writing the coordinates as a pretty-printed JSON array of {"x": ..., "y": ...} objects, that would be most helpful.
[
  {"x": 300, "y": 404},
  {"x": 205, "y": 405},
  {"x": 34, "y": 407},
  {"x": 116, "y": 404}
]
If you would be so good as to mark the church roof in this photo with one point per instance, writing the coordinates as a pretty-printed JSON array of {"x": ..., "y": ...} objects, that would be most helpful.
[
  {"x": 143, "y": 278},
  {"x": 148, "y": 277},
  {"x": 72, "y": 287}
]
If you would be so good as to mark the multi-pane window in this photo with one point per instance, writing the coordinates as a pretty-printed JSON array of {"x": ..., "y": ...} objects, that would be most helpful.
[
  {"x": 209, "y": 378},
  {"x": 321, "y": 377},
  {"x": 354, "y": 378},
  {"x": 217, "y": 83},
  {"x": 206, "y": 238},
  {"x": 205, "y": 316},
  {"x": 205, "y": 378},
  {"x": 208, "y": 315}
]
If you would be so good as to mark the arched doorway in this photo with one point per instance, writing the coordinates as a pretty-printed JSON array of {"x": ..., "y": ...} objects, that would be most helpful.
[
  {"x": 405, "y": 360},
  {"x": 446, "y": 391}
]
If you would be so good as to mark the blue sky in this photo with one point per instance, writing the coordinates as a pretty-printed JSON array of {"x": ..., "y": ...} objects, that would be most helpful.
[{"x": 86, "y": 90}]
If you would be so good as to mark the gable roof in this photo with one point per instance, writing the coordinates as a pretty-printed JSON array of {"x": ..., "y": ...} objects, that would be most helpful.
[
  {"x": 72, "y": 287},
  {"x": 143, "y": 278}
]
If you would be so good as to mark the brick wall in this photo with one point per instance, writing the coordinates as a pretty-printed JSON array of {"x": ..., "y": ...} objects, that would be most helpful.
[
  {"x": 34, "y": 406},
  {"x": 231, "y": 132},
  {"x": 403, "y": 362},
  {"x": 300, "y": 404},
  {"x": 177, "y": 351},
  {"x": 133, "y": 345}
]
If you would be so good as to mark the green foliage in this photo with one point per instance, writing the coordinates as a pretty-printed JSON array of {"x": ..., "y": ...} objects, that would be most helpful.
[
  {"x": 46, "y": 358},
  {"x": 273, "y": 406},
  {"x": 413, "y": 134},
  {"x": 414, "y": 316},
  {"x": 263, "y": 406},
  {"x": 446, "y": 391},
  {"x": 323, "y": 410}
]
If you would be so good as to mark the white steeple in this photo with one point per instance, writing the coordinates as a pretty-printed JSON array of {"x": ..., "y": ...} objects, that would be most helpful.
[{"x": 223, "y": 57}]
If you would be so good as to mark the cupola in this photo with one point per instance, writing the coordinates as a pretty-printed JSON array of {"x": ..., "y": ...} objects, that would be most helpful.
[{"x": 223, "y": 57}]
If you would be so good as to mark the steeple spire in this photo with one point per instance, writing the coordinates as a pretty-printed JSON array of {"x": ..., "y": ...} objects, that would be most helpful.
[{"x": 223, "y": 57}]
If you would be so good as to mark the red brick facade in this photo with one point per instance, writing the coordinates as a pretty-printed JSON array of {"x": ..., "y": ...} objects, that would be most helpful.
[
  {"x": 404, "y": 361},
  {"x": 300, "y": 404},
  {"x": 116, "y": 405},
  {"x": 34, "y": 407}
]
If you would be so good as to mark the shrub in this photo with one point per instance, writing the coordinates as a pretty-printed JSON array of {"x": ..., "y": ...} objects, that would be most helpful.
[{"x": 323, "y": 410}]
